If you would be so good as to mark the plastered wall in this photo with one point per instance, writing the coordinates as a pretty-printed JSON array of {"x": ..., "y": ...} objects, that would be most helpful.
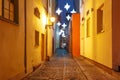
[
  {"x": 34, "y": 55},
  {"x": 12, "y": 42},
  {"x": 12, "y": 46},
  {"x": 97, "y": 47}
]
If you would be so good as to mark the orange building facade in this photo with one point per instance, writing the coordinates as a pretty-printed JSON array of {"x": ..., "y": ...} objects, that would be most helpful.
[{"x": 75, "y": 35}]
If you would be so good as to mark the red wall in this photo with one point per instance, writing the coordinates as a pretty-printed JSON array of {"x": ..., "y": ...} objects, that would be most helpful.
[{"x": 76, "y": 35}]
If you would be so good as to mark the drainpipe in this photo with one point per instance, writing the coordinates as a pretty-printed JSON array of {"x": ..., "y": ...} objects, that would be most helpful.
[
  {"x": 25, "y": 51},
  {"x": 47, "y": 57}
]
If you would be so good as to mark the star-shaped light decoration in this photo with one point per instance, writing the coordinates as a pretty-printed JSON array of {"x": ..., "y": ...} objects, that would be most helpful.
[
  {"x": 58, "y": 11},
  {"x": 61, "y": 32},
  {"x": 58, "y": 23},
  {"x": 63, "y": 35},
  {"x": 64, "y": 25},
  {"x": 68, "y": 17},
  {"x": 67, "y": 6},
  {"x": 73, "y": 11}
]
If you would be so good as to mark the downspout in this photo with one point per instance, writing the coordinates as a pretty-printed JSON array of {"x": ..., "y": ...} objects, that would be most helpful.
[
  {"x": 47, "y": 57},
  {"x": 25, "y": 51}
]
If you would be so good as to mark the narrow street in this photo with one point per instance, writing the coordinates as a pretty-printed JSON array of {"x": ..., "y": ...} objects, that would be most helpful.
[
  {"x": 59, "y": 40},
  {"x": 64, "y": 67}
]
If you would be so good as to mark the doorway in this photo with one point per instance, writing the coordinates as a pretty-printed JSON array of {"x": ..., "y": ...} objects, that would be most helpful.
[{"x": 42, "y": 47}]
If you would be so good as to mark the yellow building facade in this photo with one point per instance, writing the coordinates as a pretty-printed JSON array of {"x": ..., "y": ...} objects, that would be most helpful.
[
  {"x": 96, "y": 31},
  {"x": 24, "y": 42}
]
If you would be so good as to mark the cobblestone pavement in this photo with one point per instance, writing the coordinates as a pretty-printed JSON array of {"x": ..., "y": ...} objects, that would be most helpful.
[
  {"x": 67, "y": 68},
  {"x": 92, "y": 72}
]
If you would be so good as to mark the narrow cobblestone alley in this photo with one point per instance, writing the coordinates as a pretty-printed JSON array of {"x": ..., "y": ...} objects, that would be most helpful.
[
  {"x": 65, "y": 67},
  {"x": 59, "y": 40}
]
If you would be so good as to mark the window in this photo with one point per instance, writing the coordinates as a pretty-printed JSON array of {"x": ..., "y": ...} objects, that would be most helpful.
[
  {"x": 88, "y": 27},
  {"x": 9, "y": 10},
  {"x": 82, "y": 31},
  {"x": 100, "y": 19},
  {"x": 36, "y": 38}
]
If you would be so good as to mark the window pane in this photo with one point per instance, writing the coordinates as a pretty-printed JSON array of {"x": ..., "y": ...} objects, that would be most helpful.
[
  {"x": 11, "y": 16},
  {"x": 36, "y": 38},
  {"x": 11, "y": 7},
  {"x": 6, "y": 13},
  {"x": 88, "y": 27},
  {"x": 6, "y": 9},
  {"x": 11, "y": 11},
  {"x": 16, "y": 11},
  {"x": 83, "y": 31},
  {"x": 6, "y": 4},
  {"x": 0, "y": 7},
  {"x": 100, "y": 19}
]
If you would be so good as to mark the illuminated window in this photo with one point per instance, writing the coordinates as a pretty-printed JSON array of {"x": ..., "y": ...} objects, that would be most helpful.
[
  {"x": 100, "y": 19},
  {"x": 36, "y": 38},
  {"x": 88, "y": 28},
  {"x": 9, "y": 10}
]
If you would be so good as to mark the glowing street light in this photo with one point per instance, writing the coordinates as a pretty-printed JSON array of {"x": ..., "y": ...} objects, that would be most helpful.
[{"x": 52, "y": 19}]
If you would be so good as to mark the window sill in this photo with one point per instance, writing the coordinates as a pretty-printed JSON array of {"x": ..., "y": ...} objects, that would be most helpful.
[{"x": 9, "y": 21}]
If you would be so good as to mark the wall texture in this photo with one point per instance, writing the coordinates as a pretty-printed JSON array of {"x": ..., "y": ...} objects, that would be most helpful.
[
  {"x": 34, "y": 55},
  {"x": 97, "y": 47},
  {"x": 12, "y": 46},
  {"x": 12, "y": 41}
]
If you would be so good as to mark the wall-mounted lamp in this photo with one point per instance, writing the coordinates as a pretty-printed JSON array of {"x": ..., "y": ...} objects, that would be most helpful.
[
  {"x": 52, "y": 19},
  {"x": 50, "y": 22}
]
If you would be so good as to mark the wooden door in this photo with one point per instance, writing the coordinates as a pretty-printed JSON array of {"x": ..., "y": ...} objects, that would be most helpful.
[{"x": 42, "y": 47}]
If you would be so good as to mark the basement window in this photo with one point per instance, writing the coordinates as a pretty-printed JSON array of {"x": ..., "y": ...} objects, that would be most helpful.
[
  {"x": 36, "y": 38},
  {"x": 9, "y": 10},
  {"x": 100, "y": 27}
]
